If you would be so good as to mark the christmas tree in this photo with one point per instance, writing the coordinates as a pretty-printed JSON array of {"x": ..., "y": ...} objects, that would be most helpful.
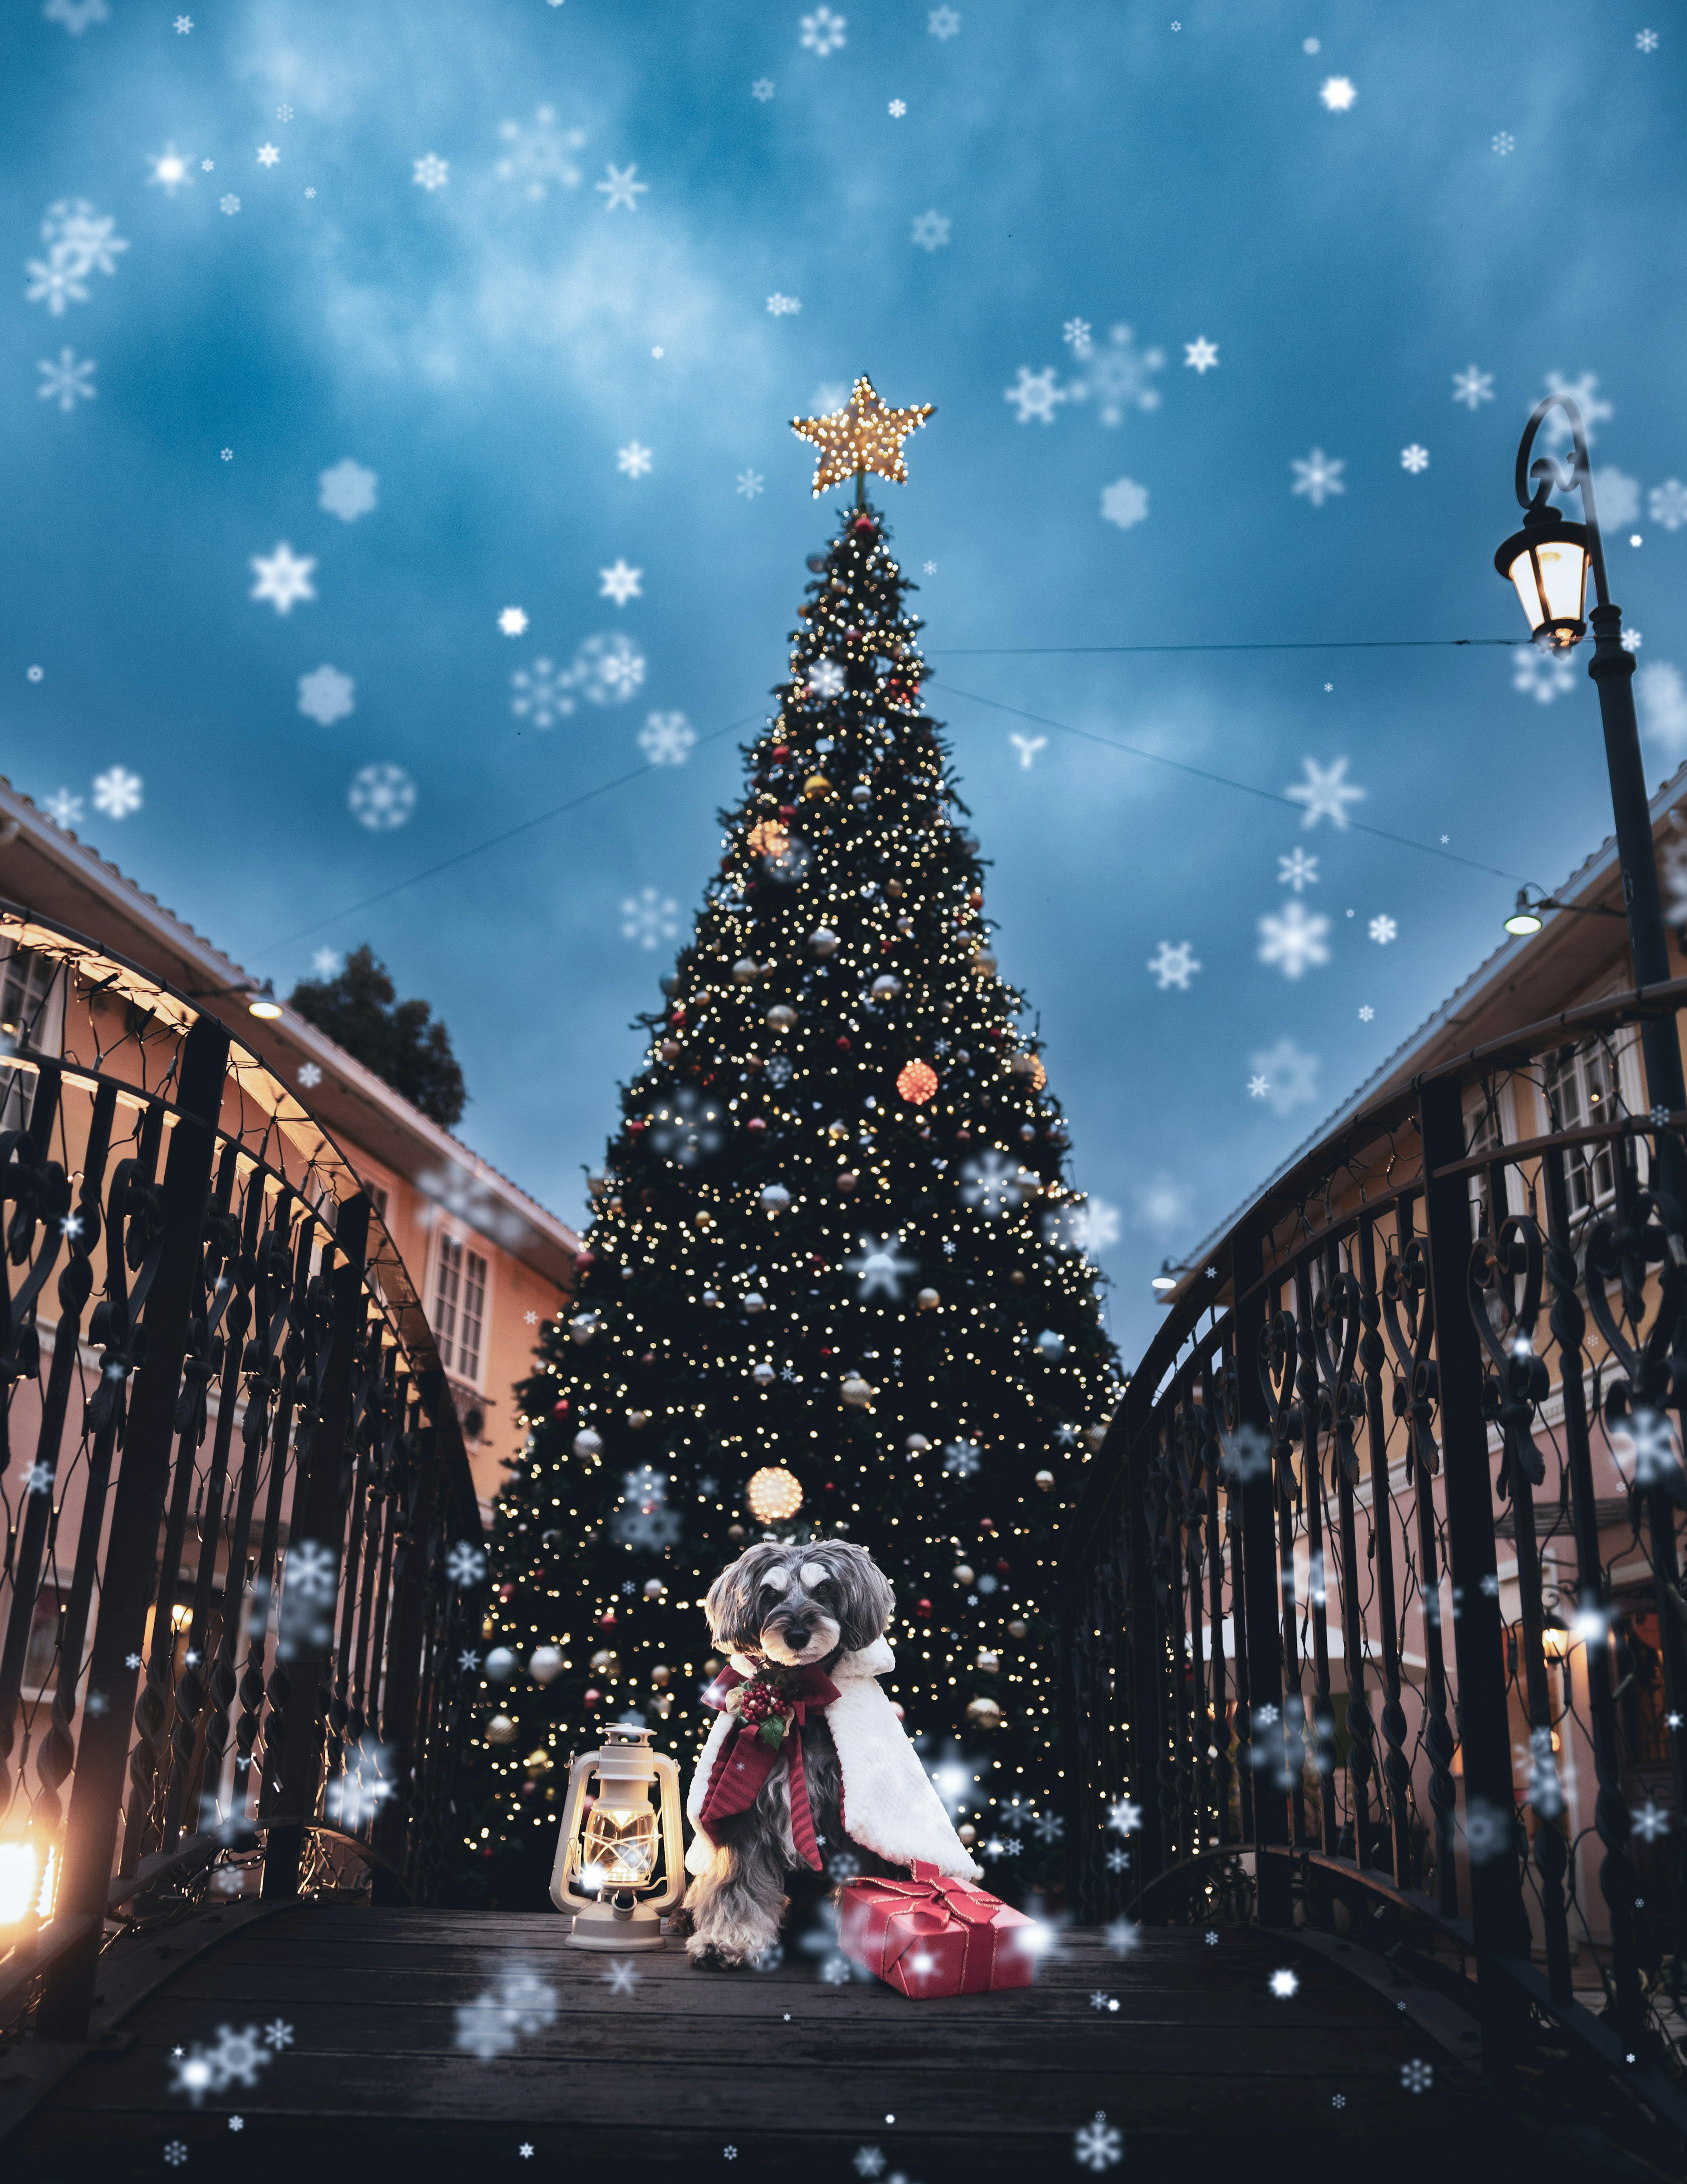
[{"x": 835, "y": 1279}]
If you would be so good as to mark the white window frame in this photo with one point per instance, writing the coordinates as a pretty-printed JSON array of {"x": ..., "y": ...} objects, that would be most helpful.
[{"x": 448, "y": 1235}]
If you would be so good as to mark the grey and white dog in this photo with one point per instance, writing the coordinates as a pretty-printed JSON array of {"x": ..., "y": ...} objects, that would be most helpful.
[{"x": 799, "y": 1606}]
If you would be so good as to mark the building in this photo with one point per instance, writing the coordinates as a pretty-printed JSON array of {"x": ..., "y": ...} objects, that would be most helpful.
[{"x": 490, "y": 1263}]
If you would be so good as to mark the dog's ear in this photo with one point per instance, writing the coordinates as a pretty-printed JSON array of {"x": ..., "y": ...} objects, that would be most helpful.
[
  {"x": 730, "y": 1602},
  {"x": 865, "y": 1603}
]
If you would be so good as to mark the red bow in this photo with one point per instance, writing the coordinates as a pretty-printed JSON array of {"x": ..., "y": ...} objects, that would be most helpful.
[{"x": 746, "y": 1759}]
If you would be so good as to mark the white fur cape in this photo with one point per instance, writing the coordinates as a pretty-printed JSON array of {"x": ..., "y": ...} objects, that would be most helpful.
[{"x": 890, "y": 1804}]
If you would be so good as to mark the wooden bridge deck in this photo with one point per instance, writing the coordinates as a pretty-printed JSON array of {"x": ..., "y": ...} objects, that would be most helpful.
[{"x": 797, "y": 2076}]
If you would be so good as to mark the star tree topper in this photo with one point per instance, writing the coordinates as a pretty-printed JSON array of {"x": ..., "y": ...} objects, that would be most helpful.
[{"x": 862, "y": 436}]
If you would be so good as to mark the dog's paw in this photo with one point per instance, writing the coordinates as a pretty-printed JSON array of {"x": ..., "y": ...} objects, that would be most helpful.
[
  {"x": 679, "y": 1923},
  {"x": 707, "y": 1956}
]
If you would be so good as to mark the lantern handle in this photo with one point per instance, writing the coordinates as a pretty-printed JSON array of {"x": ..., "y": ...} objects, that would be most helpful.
[
  {"x": 1576, "y": 476},
  {"x": 562, "y": 1893},
  {"x": 673, "y": 1848}
]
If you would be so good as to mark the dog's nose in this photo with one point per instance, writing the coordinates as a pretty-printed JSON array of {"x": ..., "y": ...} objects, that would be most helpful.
[{"x": 797, "y": 1634}]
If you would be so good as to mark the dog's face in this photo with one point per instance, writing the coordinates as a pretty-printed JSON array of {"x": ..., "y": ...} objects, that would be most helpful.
[{"x": 800, "y": 1604}]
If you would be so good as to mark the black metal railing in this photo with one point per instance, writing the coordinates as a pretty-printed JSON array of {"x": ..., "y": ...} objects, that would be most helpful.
[
  {"x": 1373, "y": 1611},
  {"x": 242, "y": 1540}
]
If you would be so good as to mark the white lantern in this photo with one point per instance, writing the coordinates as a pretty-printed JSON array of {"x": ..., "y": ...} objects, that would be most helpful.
[
  {"x": 619, "y": 1860},
  {"x": 1547, "y": 563}
]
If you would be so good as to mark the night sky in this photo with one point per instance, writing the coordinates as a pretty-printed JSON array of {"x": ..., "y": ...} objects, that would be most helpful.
[{"x": 538, "y": 288}]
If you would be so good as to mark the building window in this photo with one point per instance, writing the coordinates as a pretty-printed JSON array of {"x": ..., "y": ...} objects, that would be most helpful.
[
  {"x": 32, "y": 1019},
  {"x": 1580, "y": 1087},
  {"x": 459, "y": 1307}
]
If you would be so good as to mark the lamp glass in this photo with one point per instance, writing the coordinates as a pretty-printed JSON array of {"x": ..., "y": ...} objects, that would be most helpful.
[
  {"x": 1551, "y": 578},
  {"x": 620, "y": 1843},
  {"x": 1523, "y": 921},
  {"x": 266, "y": 1012}
]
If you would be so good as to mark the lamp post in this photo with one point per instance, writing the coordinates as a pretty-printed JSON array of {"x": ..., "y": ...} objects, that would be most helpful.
[{"x": 1548, "y": 562}]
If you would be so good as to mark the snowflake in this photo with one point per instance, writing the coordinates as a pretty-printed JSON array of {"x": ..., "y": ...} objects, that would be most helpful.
[
  {"x": 1124, "y": 1817},
  {"x": 229, "y": 203},
  {"x": 1542, "y": 675},
  {"x": 1294, "y": 940},
  {"x": 521, "y": 2004},
  {"x": 544, "y": 694},
  {"x": 355, "y": 1796},
  {"x": 1326, "y": 793},
  {"x": 538, "y": 156},
  {"x": 1555, "y": 427},
  {"x": 779, "y": 1071},
  {"x": 67, "y": 380},
  {"x": 284, "y": 112},
  {"x": 869, "y": 2161},
  {"x": 649, "y": 917},
  {"x": 881, "y": 1267},
  {"x": 283, "y": 577},
  {"x": 1201, "y": 355},
  {"x": 175, "y": 2152},
  {"x": 234, "y": 2057},
  {"x": 117, "y": 792},
  {"x": 57, "y": 283},
  {"x": 76, "y": 14},
  {"x": 432, "y": 172},
  {"x": 930, "y": 230},
  {"x": 1036, "y": 395},
  {"x": 465, "y": 1565},
  {"x": 1417, "y": 2076},
  {"x": 63, "y": 809},
  {"x": 621, "y": 1976},
  {"x": 1647, "y": 1439},
  {"x": 621, "y": 584},
  {"x": 1663, "y": 700},
  {"x": 1365, "y": 1013},
  {"x": 1646, "y": 41},
  {"x": 512, "y": 621},
  {"x": 1076, "y": 333},
  {"x": 993, "y": 1184},
  {"x": 1098, "y": 2144},
  {"x": 326, "y": 695},
  {"x": 1093, "y": 1225},
  {"x": 749, "y": 483},
  {"x": 79, "y": 241},
  {"x": 762, "y": 89},
  {"x": 169, "y": 170},
  {"x": 1118, "y": 376},
  {"x": 381, "y": 796},
  {"x": 1118, "y": 1859},
  {"x": 1121, "y": 1937},
  {"x": 184, "y": 23},
  {"x": 1100, "y": 1999},
  {"x": 826, "y": 678},
  {"x": 1668, "y": 504},
  {"x": 632, "y": 461},
  {"x": 823, "y": 31},
  {"x": 310, "y": 1075},
  {"x": 622, "y": 188},
  {"x": 1174, "y": 966},
  {"x": 1028, "y": 747},
  {"x": 267, "y": 155},
  {"x": 1414, "y": 459},
  {"x": 1124, "y": 503},
  {"x": 38, "y": 1478},
  {"x": 1504, "y": 143},
  {"x": 897, "y": 108},
  {"x": 608, "y": 669},
  {"x": 783, "y": 307},
  {"x": 1297, "y": 870},
  {"x": 1631, "y": 640},
  {"x": 1472, "y": 387},
  {"x": 1338, "y": 94},
  {"x": 347, "y": 491},
  {"x": 1285, "y": 1076},
  {"x": 943, "y": 22},
  {"x": 1383, "y": 930},
  {"x": 666, "y": 738},
  {"x": 1285, "y": 1983},
  {"x": 1318, "y": 477}
]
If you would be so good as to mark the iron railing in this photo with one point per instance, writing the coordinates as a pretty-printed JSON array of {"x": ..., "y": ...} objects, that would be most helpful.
[
  {"x": 241, "y": 1539},
  {"x": 1374, "y": 1612}
]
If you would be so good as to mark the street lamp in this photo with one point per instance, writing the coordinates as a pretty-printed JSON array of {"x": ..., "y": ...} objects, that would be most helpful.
[{"x": 1548, "y": 562}]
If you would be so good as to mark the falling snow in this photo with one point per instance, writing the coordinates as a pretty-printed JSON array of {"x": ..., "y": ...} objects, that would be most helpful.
[
  {"x": 381, "y": 796},
  {"x": 1472, "y": 387},
  {"x": 1293, "y": 938},
  {"x": 1318, "y": 477},
  {"x": 667, "y": 738},
  {"x": 649, "y": 917},
  {"x": 1326, "y": 793},
  {"x": 347, "y": 491},
  {"x": 1035, "y": 395},
  {"x": 68, "y": 380},
  {"x": 1174, "y": 966}
]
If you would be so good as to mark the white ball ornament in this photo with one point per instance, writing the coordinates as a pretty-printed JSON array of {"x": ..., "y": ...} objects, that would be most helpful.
[
  {"x": 500, "y": 1665},
  {"x": 744, "y": 970},
  {"x": 917, "y": 1444},
  {"x": 583, "y": 1326},
  {"x": 500, "y": 1730},
  {"x": 824, "y": 941},
  {"x": 857, "y": 1393},
  {"x": 775, "y": 1198},
  {"x": 885, "y": 988},
  {"x": 963, "y": 1574},
  {"x": 756, "y": 1301},
  {"x": 781, "y": 1017},
  {"x": 653, "y": 1588},
  {"x": 763, "y": 1374},
  {"x": 587, "y": 1442},
  {"x": 546, "y": 1664}
]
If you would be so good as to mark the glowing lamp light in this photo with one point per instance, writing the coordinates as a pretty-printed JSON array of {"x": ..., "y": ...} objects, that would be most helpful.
[
  {"x": 918, "y": 1082},
  {"x": 265, "y": 1006},
  {"x": 28, "y": 1881},
  {"x": 1525, "y": 920},
  {"x": 1547, "y": 564},
  {"x": 619, "y": 1863},
  {"x": 773, "y": 1494}
]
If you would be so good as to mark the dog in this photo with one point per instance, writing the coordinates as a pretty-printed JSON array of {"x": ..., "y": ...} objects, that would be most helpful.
[{"x": 808, "y": 1771}]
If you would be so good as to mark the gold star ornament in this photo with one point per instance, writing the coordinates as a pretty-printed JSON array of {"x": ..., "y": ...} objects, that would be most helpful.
[{"x": 862, "y": 436}]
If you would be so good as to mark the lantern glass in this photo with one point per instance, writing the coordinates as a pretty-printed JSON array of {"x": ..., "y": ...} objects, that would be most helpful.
[
  {"x": 1547, "y": 564},
  {"x": 618, "y": 1860}
]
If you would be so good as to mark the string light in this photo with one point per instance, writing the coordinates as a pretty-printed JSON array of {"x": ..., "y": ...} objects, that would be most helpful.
[
  {"x": 862, "y": 436},
  {"x": 773, "y": 1495}
]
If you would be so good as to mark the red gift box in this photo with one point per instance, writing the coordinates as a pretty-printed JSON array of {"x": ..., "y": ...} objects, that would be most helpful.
[{"x": 933, "y": 1936}]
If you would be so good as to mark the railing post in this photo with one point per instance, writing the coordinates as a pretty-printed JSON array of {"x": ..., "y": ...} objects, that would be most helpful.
[
  {"x": 1147, "y": 1673},
  {"x": 403, "y": 1683},
  {"x": 1497, "y": 1916},
  {"x": 1259, "y": 1578},
  {"x": 321, "y": 1493},
  {"x": 126, "y": 1584}
]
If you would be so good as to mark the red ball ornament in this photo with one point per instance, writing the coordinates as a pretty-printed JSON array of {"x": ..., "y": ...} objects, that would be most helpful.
[
  {"x": 559, "y": 1410},
  {"x": 782, "y": 751},
  {"x": 787, "y": 810},
  {"x": 923, "y": 1608},
  {"x": 606, "y": 1621},
  {"x": 1003, "y": 1568},
  {"x": 636, "y": 1127},
  {"x": 593, "y": 1698},
  {"x": 844, "y": 1042},
  {"x": 862, "y": 523},
  {"x": 755, "y": 1122}
]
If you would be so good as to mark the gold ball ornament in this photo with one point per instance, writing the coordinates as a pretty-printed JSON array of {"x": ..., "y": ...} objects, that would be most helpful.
[
  {"x": 661, "y": 1675},
  {"x": 857, "y": 1393},
  {"x": 990, "y": 1663},
  {"x": 968, "y": 1835},
  {"x": 985, "y": 1713},
  {"x": 963, "y": 1574},
  {"x": 816, "y": 787},
  {"x": 928, "y": 1300},
  {"x": 1016, "y": 1629},
  {"x": 1045, "y": 1479},
  {"x": 918, "y": 1082},
  {"x": 781, "y": 1017},
  {"x": 500, "y": 1730},
  {"x": 539, "y": 1764},
  {"x": 773, "y": 1494},
  {"x": 744, "y": 970},
  {"x": 606, "y": 1663}
]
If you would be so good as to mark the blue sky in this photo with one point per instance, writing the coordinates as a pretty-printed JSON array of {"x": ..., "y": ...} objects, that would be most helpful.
[{"x": 1502, "y": 189}]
